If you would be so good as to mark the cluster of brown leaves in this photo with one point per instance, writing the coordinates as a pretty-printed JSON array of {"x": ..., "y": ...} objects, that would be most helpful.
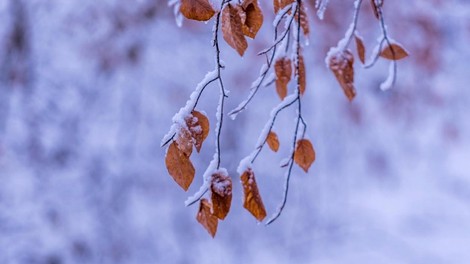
[
  {"x": 210, "y": 212},
  {"x": 342, "y": 63},
  {"x": 191, "y": 134}
]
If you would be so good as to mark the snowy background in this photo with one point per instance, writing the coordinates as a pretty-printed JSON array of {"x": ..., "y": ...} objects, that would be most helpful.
[{"x": 88, "y": 89}]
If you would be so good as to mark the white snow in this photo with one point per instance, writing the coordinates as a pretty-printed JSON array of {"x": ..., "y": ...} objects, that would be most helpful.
[{"x": 388, "y": 83}]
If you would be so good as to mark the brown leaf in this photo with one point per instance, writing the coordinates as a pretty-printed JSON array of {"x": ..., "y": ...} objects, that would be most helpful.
[
  {"x": 232, "y": 29},
  {"x": 200, "y": 10},
  {"x": 185, "y": 142},
  {"x": 198, "y": 124},
  {"x": 253, "y": 18},
  {"x": 302, "y": 79},
  {"x": 342, "y": 66},
  {"x": 393, "y": 52},
  {"x": 273, "y": 141},
  {"x": 283, "y": 69},
  {"x": 179, "y": 166},
  {"x": 304, "y": 154},
  {"x": 205, "y": 218},
  {"x": 303, "y": 19},
  {"x": 221, "y": 194},
  {"x": 376, "y": 7},
  {"x": 280, "y": 4},
  {"x": 251, "y": 199},
  {"x": 361, "y": 50}
]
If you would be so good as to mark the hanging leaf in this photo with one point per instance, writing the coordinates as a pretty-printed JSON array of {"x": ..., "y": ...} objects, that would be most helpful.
[
  {"x": 304, "y": 154},
  {"x": 273, "y": 141},
  {"x": 205, "y": 218},
  {"x": 375, "y": 7},
  {"x": 232, "y": 29},
  {"x": 393, "y": 52},
  {"x": 342, "y": 66},
  {"x": 303, "y": 19},
  {"x": 179, "y": 166},
  {"x": 280, "y": 4},
  {"x": 200, "y": 10},
  {"x": 221, "y": 194},
  {"x": 302, "y": 79},
  {"x": 251, "y": 199},
  {"x": 283, "y": 69},
  {"x": 361, "y": 50},
  {"x": 198, "y": 124},
  {"x": 252, "y": 18},
  {"x": 185, "y": 142}
]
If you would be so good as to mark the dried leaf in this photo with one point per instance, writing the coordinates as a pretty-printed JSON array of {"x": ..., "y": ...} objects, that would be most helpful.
[
  {"x": 251, "y": 199},
  {"x": 393, "y": 52},
  {"x": 302, "y": 78},
  {"x": 179, "y": 166},
  {"x": 221, "y": 194},
  {"x": 304, "y": 154},
  {"x": 280, "y": 4},
  {"x": 361, "y": 50},
  {"x": 198, "y": 124},
  {"x": 283, "y": 69},
  {"x": 200, "y": 10},
  {"x": 273, "y": 141},
  {"x": 252, "y": 18},
  {"x": 205, "y": 218},
  {"x": 185, "y": 141},
  {"x": 342, "y": 66},
  {"x": 303, "y": 19},
  {"x": 232, "y": 29}
]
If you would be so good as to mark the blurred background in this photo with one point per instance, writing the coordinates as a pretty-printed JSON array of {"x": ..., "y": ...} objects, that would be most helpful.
[{"x": 88, "y": 89}]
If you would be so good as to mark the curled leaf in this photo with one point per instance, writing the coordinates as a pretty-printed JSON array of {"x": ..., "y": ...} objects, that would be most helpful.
[
  {"x": 198, "y": 125},
  {"x": 393, "y": 52},
  {"x": 302, "y": 78},
  {"x": 252, "y": 18},
  {"x": 304, "y": 154},
  {"x": 283, "y": 69},
  {"x": 221, "y": 194},
  {"x": 232, "y": 29},
  {"x": 303, "y": 19},
  {"x": 251, "y": 199},
  {"x": 342, "y": 66},
  {"x": 273, "y": 141},
  {"x": 200, "y": 10},
  {"x": 361, "y": 50},
  {"x": 205, "y": 218},
  {"x": 179, "y": 166}
]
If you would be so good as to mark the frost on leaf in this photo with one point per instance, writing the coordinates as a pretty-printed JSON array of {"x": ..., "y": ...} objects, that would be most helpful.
[
  {"x": 361, "y": 50},
  {"x": 232, "y": 29},
  {"x": 179, "y": 166},
  {"x": 342, "y": 66},
  {"x": 303, "y": 19},
  {"x": 205, "y": 218},
  {"x": 302, "y": 80},
  {"x": 251, "y": 18},
  {"x": 375, "y": 7},
  {"x": 221, "y": 194},
  {"x": 200, "y": 10},
  {"x": 283, "y": 69},
  {"x": 251, "y": 199},
  {"x": 198, "y": 125},
  {"x": 393, "y": 52},
  {"x": 304, "y": 154},
  {"x": 184, "y": 141},
  {"x": 280, "y": 4},
  {"x": 273, "y": 141}
]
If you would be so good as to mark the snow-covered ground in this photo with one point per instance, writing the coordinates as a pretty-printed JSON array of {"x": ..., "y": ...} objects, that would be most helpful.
[{"x": 82, "y": 173}]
